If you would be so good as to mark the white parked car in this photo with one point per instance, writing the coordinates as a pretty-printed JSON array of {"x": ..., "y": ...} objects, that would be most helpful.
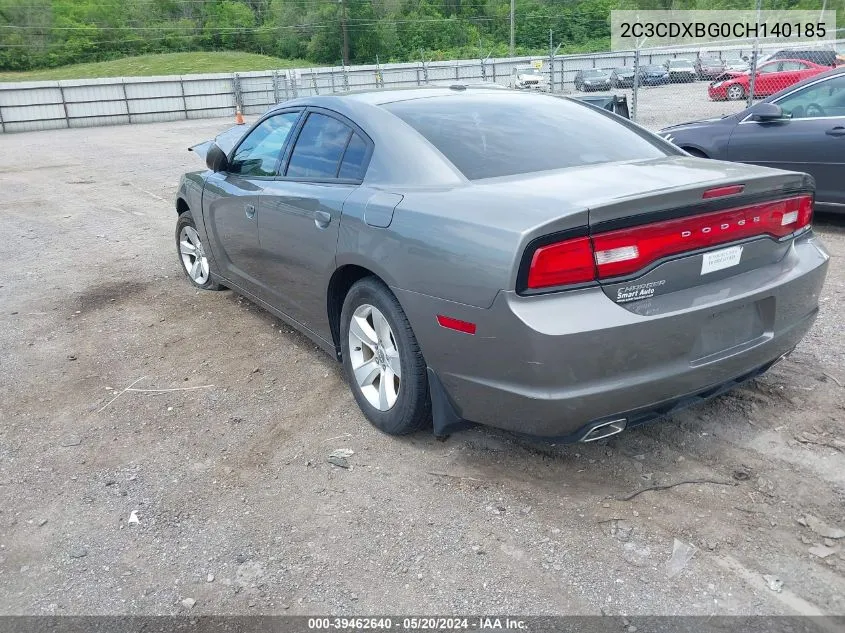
[
  {"x": 681, "y": 70},
  {"x": 528, "y": 78}
]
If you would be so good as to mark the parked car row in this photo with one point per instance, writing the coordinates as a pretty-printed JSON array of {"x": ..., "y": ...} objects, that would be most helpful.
[
  {"x": 673, "y": 71},
  {"x": 782, "y": 69}
]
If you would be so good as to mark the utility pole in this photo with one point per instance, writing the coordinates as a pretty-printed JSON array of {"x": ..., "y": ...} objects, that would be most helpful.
[
  {"x": 754, "y": 59},
  {"x": 513, "y": 37},
  {"x": 344, "y": 32}
]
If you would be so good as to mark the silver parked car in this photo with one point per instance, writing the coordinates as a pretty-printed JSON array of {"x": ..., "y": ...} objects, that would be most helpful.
[
  {"x": 521, "y": 260},
  {"x": 680, "y": 70}
]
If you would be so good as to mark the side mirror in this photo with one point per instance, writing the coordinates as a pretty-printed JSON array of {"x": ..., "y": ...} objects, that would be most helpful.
[
  {"x": 216, "y": 159},
  {"x": 767, "y": 112}
]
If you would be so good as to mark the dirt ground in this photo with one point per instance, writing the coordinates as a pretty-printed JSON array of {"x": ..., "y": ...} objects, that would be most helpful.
[{"x": 238, "y": 509}]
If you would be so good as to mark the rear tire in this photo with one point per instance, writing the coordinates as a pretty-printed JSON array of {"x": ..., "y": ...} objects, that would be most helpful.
[
  {"x": 382, "y": 360},
  {"x": 193, "y": 255}
]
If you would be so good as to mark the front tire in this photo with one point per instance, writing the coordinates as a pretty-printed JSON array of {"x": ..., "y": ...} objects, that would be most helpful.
[
  {"x": 736, "y": 92},
  {"x": 382, "y": 360},
  {"x": 192, "y": 253}
]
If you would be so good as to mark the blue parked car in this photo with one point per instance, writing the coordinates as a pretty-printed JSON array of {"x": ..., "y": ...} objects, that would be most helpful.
[{"x": 653, "y": 75}]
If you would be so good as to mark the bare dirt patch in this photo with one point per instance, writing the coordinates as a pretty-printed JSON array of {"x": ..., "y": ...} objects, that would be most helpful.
[{"x": 231, "y": 482}]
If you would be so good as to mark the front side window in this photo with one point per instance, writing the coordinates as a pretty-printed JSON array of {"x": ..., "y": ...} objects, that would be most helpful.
[
  {"x": 792, "y": 66},
  {"x": 823, "y": 99},
  {"x": 259, "y": 152},
  {"x": 511, "y": 134},
  {"x": 319, "y": 148},
  {"x": 768, "y": 68}
]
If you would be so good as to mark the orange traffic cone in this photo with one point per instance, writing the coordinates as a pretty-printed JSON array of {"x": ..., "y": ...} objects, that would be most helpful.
[{"x": 239, "y": 118}]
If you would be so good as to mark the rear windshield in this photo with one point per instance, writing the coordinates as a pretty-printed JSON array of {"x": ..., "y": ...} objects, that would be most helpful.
[{"x": 486, "y": 135}]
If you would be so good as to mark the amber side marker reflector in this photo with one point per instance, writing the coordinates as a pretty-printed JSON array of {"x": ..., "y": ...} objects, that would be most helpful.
[
  {"x": 721, "y": 192},
  {"x": 456, "y": 324}
]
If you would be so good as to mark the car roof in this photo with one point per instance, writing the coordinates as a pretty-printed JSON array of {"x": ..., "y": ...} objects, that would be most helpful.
[
  {"x": 394, "y": 137},
  {"x": 383, "y": 96},
  {"x": 789, "y": 59}
]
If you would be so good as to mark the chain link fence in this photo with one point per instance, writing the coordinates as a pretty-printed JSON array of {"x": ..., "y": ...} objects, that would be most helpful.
[
  {"x": 660, "y": 87},
  {"x": 664, "y": 87}
]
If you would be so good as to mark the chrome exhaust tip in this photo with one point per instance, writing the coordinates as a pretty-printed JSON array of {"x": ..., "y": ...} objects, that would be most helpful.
[{"x": 605, "y": 429}]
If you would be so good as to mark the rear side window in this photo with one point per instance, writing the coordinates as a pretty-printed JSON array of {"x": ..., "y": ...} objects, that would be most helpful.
[
  {"x": 352, "y": 165},
  {"x": 486, "y": 136},
  {"x": 319, "y": 148}
]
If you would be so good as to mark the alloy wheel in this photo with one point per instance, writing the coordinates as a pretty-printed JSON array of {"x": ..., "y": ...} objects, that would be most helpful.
[
  {"x": 736, "y": 92},
  {"x": 374, "y": 357},
  {"x": 193, "y": 255}
]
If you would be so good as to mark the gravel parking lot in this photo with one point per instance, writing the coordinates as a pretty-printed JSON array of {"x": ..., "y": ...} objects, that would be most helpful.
[
  {"x": 207, "y": 488},
  {"x": 659, "y": 106}
]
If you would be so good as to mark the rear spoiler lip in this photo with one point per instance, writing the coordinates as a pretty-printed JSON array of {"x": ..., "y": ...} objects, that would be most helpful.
[{"x": 706, "y": 206}]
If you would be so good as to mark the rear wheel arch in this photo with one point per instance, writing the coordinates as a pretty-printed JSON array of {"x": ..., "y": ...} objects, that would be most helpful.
[
  {"x": 695, "y": 151},
  {"x": 341, "y": 281},
  {"x": 181, "y": 206}
]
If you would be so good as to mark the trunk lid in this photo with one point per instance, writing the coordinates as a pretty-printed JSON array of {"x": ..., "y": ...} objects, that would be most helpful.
[
  {"x": 674, "y": 203},
  {"x": 693, "y": 198}
]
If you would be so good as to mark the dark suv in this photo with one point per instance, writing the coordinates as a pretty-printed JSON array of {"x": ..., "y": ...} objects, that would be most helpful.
[{"x": 823, "y": 57}]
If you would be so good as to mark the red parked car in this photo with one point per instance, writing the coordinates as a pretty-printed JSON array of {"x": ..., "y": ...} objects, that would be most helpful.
[{"x": 772, "y": 77}]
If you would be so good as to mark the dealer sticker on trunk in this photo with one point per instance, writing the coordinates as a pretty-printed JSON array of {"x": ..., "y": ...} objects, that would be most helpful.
[{"x": 721, "y": 259}]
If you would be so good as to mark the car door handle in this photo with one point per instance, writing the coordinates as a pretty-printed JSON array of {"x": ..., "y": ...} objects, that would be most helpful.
[
  {"x": 249, "y": 209},
  {"x": 322, "y": 219},
  {"x": 836, "y": 131}
]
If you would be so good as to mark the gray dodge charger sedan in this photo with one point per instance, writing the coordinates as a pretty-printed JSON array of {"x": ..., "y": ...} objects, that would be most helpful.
[{"x": 520, "y": 260}]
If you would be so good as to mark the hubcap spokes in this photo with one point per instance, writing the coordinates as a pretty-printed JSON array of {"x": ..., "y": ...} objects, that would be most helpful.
[
  {"x": 374, "y": 357},
  {"x": 193, "y": 255}
]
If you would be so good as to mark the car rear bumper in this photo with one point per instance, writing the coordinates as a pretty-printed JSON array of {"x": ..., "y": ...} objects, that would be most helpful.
[{"x": 557, "y": 365}]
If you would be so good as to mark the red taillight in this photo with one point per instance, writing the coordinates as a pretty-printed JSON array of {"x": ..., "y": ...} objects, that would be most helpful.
[
  {"x": 626, "y": 251},
  {"x": 563, "y": 263}
]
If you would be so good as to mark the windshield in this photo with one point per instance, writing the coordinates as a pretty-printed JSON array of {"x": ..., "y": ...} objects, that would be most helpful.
[
  {"x": 593, "y": 73},
  {"x": 653, "y": 69},
  {"x": 679, "y": 63},
  {"x": 624, "y": 71},
  {"x": 527, "y": 71},
  {"x": 485, "y": 137}
]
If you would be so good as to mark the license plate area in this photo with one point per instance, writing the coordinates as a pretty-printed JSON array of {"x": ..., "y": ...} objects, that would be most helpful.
[
  {"x": 731, "y": 331},
  {"x": 721, "y": 259}
]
